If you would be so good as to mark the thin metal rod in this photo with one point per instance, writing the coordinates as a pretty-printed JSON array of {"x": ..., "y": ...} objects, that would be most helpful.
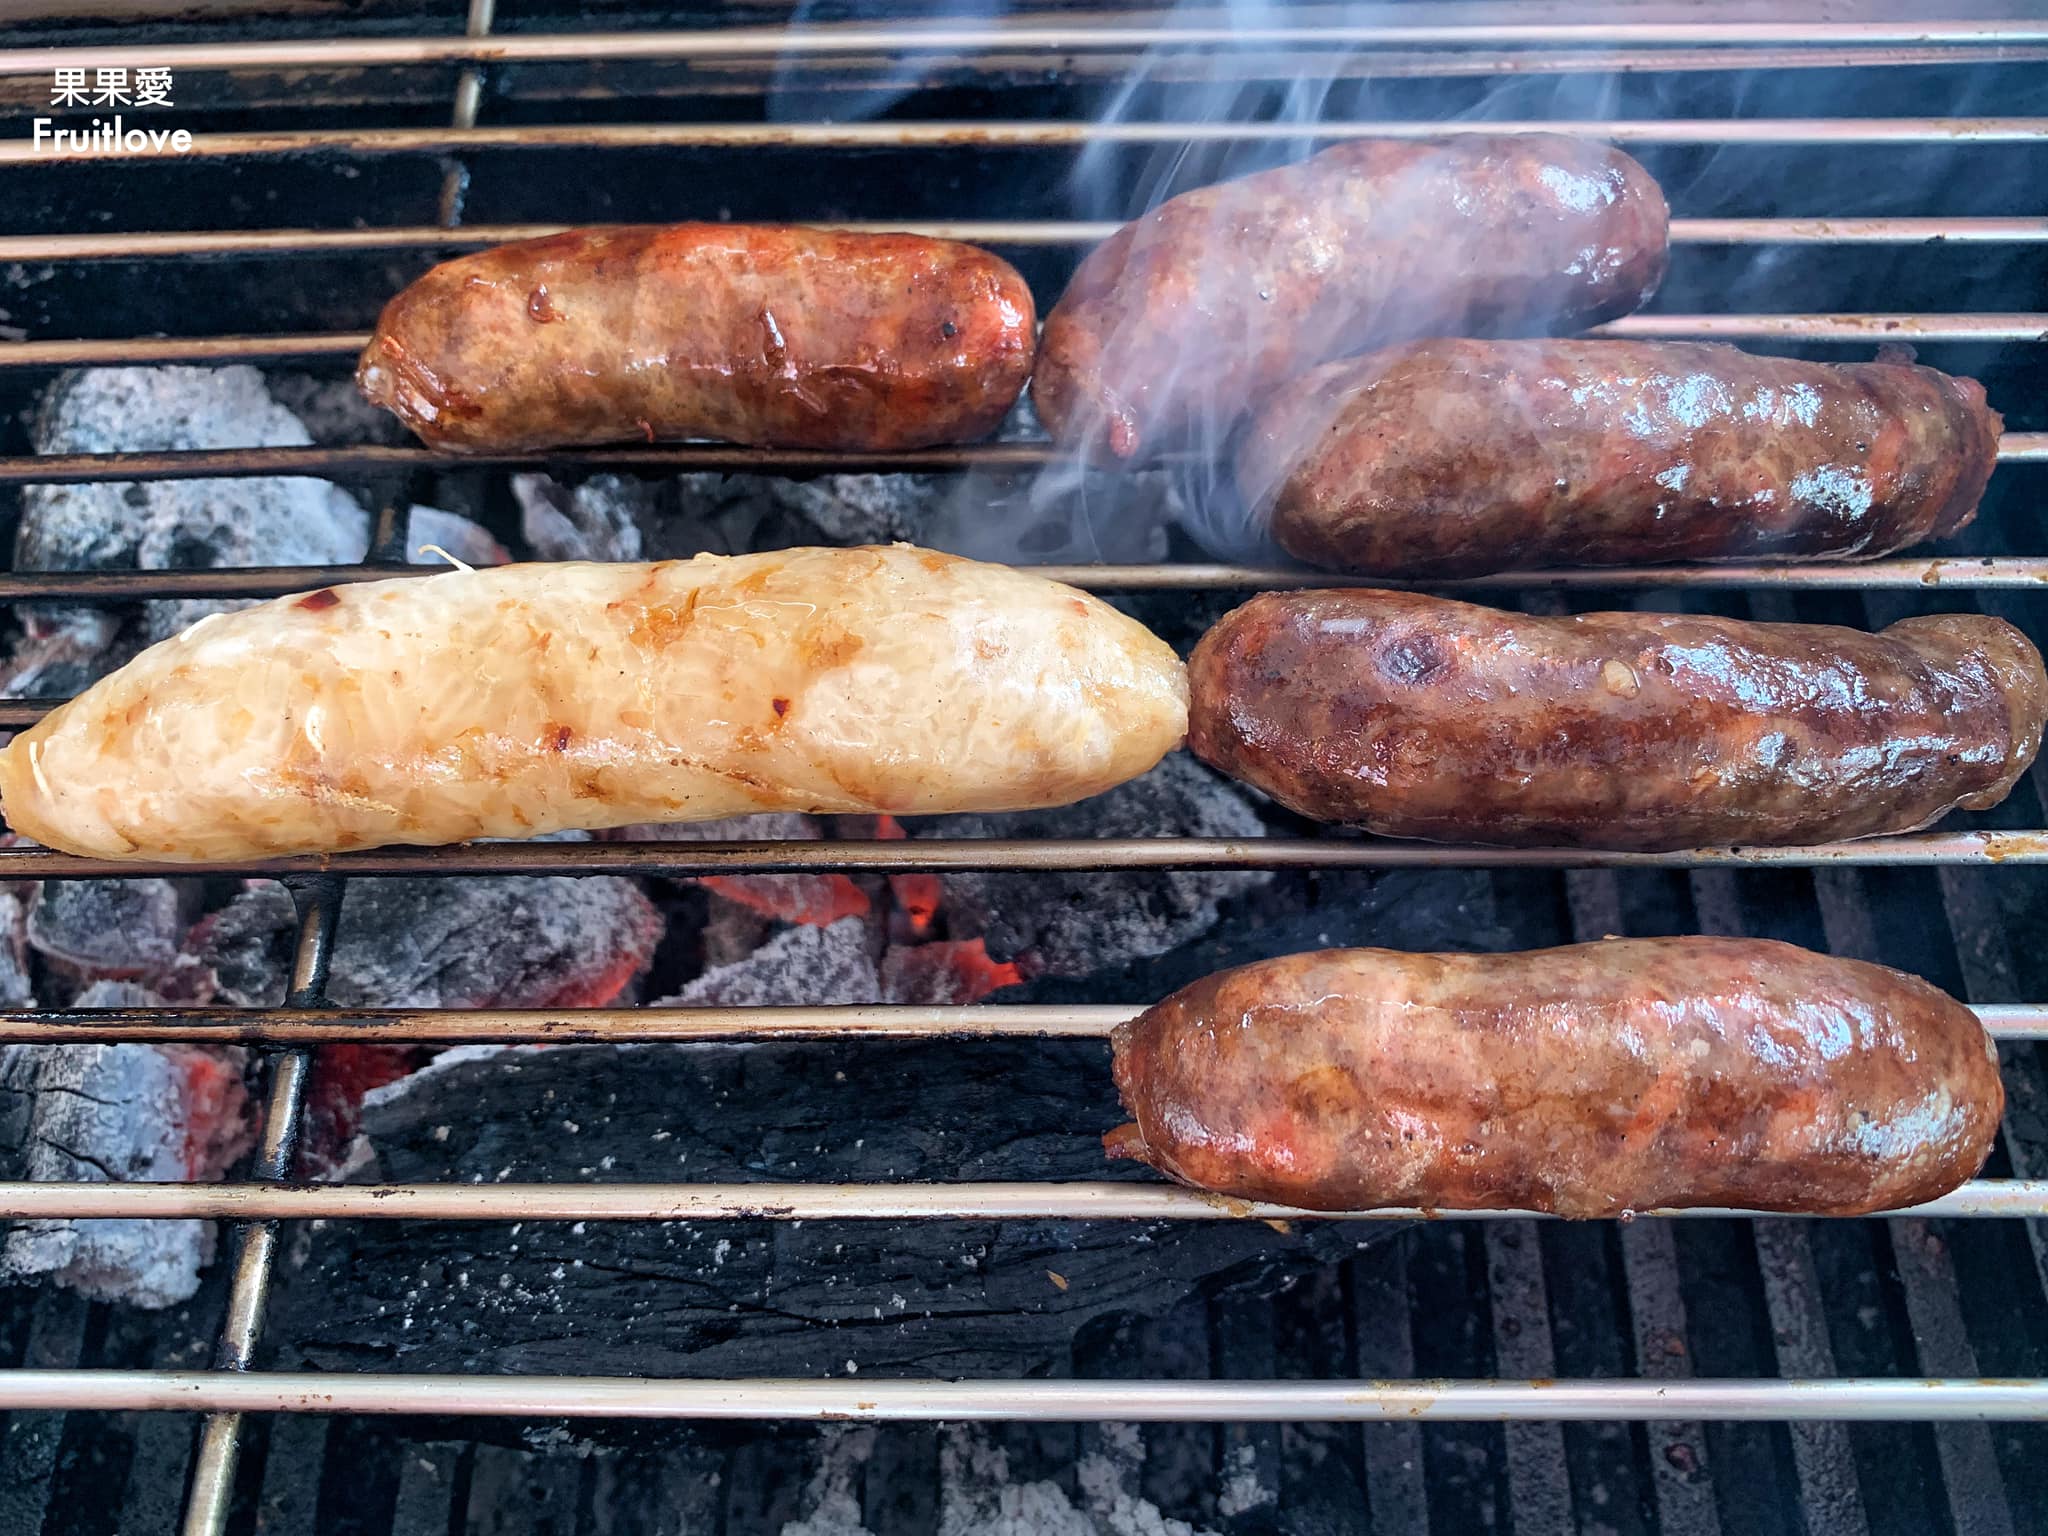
[
  {"x": 1861, "y": 328},
  {"x": 366, "y": 459},
  {"x": 687, "y": 860},
  {"x": 150, "y": 245},
  {"x": 220, "y": 1440},
  {"x": 1865, "y": 1398},
  {"x": 1072, "y": 1201},
  {"x": 1040, "y": 134},
  {"x": 916, "y": 38},
  {"x": 641, "y": 1026},
  {"x": 1969, "y": 573}
]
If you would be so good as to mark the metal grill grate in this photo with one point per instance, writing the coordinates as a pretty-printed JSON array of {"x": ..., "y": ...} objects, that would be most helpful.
[{"x": 228, "y": 1390}]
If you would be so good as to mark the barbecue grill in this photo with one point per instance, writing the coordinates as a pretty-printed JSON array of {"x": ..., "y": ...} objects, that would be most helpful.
[{"x": 438, "y": 125}]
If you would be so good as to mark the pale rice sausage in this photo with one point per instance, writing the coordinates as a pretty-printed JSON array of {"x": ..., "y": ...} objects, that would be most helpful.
[{"x": 535, "y": 698}]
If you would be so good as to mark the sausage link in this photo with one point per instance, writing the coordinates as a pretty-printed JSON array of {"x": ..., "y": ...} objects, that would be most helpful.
[
  {"x": 775, "y": 336},
  {"x": 1173, "y": 327},
  {"x": 1420, "y": 717},
  {"x": 1455, "y": 458},
  {"x": 1593, "y": 1080},
  {"x": 534, "y": 698}
]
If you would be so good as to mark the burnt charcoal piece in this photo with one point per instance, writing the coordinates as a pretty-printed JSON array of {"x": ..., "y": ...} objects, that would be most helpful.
[
  {"x": 516, "y": 941},
  {"x": 117, "y": 929},
  {"x": 90, "y": 1113},
  {"x": 753, "y": 1298},
  {"x": 594, "y": 519},
  {"x": 1071, "y": 924}
]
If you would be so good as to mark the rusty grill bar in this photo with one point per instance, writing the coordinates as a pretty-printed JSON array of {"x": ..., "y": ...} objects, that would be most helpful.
[{"x": 229, "y": 1391}]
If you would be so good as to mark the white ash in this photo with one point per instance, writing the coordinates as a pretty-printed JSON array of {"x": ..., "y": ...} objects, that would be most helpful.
[
  {"x": 164, "y": 524},
  {"x": 977, "y": 1497},
  {"x": 799, "y": 965},
  {"x": 833, "y": 1494},
  {"x": 1074, "y": 924},
  {"x": 94, "y": 1113},
  {"x": 598, "y": 519}
]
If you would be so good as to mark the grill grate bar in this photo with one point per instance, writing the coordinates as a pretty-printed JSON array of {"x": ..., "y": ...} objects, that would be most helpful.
[
  {"x": 459, "y": 1026},
  {"x": 352, "y": 459},
  {"x": 220, "y": 1441},
  {"x": 1078, "y": 1200},
  {"x": 934, "y": 854},
  {"x": 1130, "y": 31},
  {"x": 145, "y": 245},
  {"x": 1040, "y": 134},
  {"x": 1864, "y": 1399}
]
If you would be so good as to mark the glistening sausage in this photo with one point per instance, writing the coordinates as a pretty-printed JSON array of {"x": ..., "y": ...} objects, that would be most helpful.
[
  {"x": 1172, "y": 328},
  {"x": 1454, "y": 458},
  {"x": 1420, "y": 717},
  {"x": 529, "y": 699},
  {"x": 775, "y": 336},
  {"x": 1594, "y": 1080}
]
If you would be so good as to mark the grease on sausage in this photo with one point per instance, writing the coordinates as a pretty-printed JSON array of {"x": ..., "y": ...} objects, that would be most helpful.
[
  {"x": 1421, "y": 717},
  {"x": 1593, "y": 1080},
  {"x": 775, "y": 336},
  {"x": 1455, "y": 458}
]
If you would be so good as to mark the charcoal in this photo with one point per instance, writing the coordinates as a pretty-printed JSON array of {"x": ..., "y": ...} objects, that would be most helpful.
[
  {"x": 598, "y": 519},
  {"x": 515, "y": 941},
  {"x": 334, "y": 410},
  {"x": 817, "y": 899},
  {"x": 93, "y": 1113},
  {"x": 16, "y": 989},
  {"x": 113, "y": 929},
  {"x": 944, "y": 972},
  {"x": 747, "y": 1297},
  {"x": 1071, "y": 924},
  {"x": 833, "y": 964},
  {"x": 161, "y": 525}
]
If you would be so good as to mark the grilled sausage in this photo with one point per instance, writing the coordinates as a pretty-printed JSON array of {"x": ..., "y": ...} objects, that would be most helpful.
[
  {"x": 1420, "y": 717},
  {"x": 1594, "y": 1080},
  {"x": 779, "y": 337},
  {"x": 1173, "y": 327},
  {"x": 528, "y": 699},
  {"x": 1454, "y": 458}
]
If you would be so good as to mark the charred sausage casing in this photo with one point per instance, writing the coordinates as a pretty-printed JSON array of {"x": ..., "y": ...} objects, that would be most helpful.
[
  {"x": 1455, "y": 458},
  {"x": 775, "y": 336},
  {"x": 1175, "y": 326},
  {"x": 1627, "y": 1075},
  {"x": 530, "y": 699},
  {"x": 1421, "y": 717}
]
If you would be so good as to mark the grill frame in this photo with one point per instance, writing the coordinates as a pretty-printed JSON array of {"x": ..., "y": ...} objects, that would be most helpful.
[{"x": 230, "y": 1390}]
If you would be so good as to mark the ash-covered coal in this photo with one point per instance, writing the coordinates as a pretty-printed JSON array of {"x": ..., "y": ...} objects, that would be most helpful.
[
  {"x": 1068, "y": 924},
  {"x": 166, "y": 524},
  {"x": 125, "y": 930},
  {"x": 512, "y": 941},
  {"x": 94, "y": 1113},
  {"x": 988, "y": 516},
  {"x": 453, "y": 536},
  {"x": 794, "y": 898},
  {"x": 832, "y": 964}
]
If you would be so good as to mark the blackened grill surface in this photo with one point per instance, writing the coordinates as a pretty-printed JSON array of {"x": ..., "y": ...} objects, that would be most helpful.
[{"x": 1709, "y": 1298}]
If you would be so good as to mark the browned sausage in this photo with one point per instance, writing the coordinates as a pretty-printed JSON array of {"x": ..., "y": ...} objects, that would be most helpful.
[
  {"x": 776, "y": 336},
  {"x": 1628, "y": 1075},
  {"x": 1173, "y": 327},
  {"x": 1420, "y": 717},
  {"x": 1453, "y": 458}
]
